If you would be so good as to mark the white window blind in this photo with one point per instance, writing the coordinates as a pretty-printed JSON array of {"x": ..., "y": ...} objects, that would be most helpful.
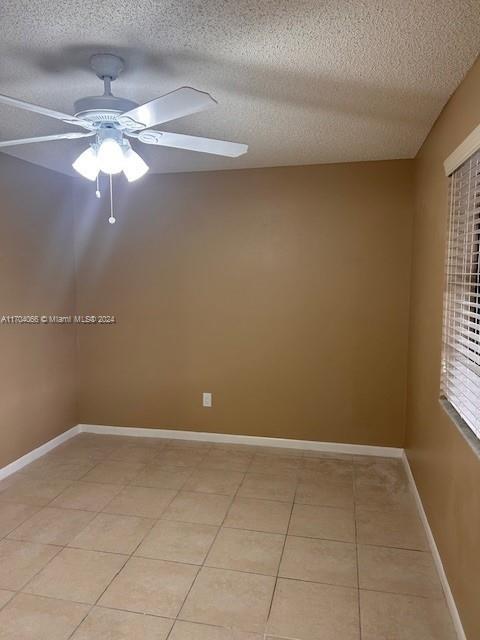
[{"x": 461, "y": 326}]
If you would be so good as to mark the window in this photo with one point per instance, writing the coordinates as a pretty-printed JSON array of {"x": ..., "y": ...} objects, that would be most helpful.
[{"x": 461, "y": 326}]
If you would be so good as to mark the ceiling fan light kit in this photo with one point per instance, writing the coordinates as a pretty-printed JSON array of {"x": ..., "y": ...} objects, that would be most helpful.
[{"x": 111, "y": 120}]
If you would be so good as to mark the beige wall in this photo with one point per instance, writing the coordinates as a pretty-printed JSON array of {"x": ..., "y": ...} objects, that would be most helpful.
[
  {"x": 283, "y": 291},
  {"x": 37, "y": 371},
  {"x": 446, "y": 469}
]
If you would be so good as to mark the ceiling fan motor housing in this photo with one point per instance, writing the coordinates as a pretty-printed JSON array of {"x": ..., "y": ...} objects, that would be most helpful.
[{"x": 104, "y": 108}]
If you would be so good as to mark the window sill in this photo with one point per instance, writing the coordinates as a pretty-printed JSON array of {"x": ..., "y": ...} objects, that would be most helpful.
[{"x": 461, "y": 425}]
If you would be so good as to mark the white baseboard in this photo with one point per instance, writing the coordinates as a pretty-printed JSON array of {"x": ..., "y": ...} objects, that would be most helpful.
[
  {"x": 457, "y": 623},
  {"x": 16, "y": 465},
  {"x": 258, "y": 441},
  {"x": 307, "y": 445}
]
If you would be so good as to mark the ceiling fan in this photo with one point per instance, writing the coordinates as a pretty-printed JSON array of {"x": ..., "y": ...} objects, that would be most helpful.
[{"x": 111, "y": 120}]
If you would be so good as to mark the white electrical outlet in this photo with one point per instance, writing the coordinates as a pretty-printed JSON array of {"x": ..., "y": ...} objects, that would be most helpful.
[{"x": 207, "y": 399}]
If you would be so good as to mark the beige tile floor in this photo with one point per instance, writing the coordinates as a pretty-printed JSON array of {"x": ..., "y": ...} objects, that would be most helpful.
[{"x": 116, "y": 538}]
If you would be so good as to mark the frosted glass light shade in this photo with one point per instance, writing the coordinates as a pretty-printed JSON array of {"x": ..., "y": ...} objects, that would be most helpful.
[
  {"x": 87, "y": 164},
  {"x": 110, "y": 157},
  {"x": 135, "y": 167}
]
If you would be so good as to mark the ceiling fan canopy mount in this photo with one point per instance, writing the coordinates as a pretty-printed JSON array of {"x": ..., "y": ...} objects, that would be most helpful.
[{"x": 107, "y": 65}]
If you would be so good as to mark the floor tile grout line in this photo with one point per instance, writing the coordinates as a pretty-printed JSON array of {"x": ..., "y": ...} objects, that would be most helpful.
[
  {"x": 5, "y": 536},
  {"x": 110, "y": 553},
  {"x": 68, "y": 480},
  {"x": 2, "y": 606},
  {"x": 431, "y": 598},
  {"x": 122, "y": 487},
  {"x": 132, "y": 515},
  {"x": 137, "y": 516},
  {"x": 63, "y": 547},
  {"x": 95, "y": 514},
  {"x": 181, "y": 467},
  {"x": 139, "y": 613},
  {"x": 128, "y": 558},
  {"x": 356, "y": 553},
  {"x": 23, "y": 587},
  {"x": 92, "y": 606},
  {"x": 280, "y": 563},
  {"x": 206, "y": 556}
]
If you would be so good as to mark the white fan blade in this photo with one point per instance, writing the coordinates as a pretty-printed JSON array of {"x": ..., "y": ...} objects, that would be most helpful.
[
  {"x": 28, "y": 106},
  {"x": 192, "y": 143},
  {"x": 57, "y": 136},
  {"x": 178, "y": 103}
]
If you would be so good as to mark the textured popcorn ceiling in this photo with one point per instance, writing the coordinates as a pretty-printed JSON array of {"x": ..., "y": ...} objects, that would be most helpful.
[{"x": 300, "y": 81}]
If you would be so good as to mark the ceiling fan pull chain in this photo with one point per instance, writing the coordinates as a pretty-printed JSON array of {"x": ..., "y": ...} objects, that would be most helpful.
[
  {"x": 112, "y": 217},
  {"x": 97, "y": 192}
]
